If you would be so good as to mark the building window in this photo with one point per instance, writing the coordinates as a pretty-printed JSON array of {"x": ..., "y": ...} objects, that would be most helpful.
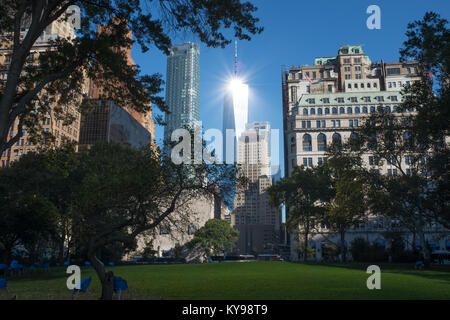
[
  {"x": 319, "y": 111},
  {"x": 326, "y": 100},
  {"x": 340, "y": 100},
  {"x": 321, "y": 142},
  {"x": 393, "y": 71},
  {"x": 341, "y": 110},
  {"x": 293, "y": 94},
  {"x": 338, "y": 123},
  {"x": 333, "y": 123},
  {"x": 336, "y": 138},
  {"x": 308, "y": 124},
  {"x": 164, "y": 229},
  {"x": 312, "y": 111},
  {"x": 364, "y": 109},
  {"x": 327, "y": 110},
  {"x": 305, "y": 112},
  {"x": 372, "y": 109},
  {"x": 330, "y": 88},
  {"x": 349, "y": 110},
  {"x": 350, "y": 123},
  {"x": 307, "y": 142},
  {"x": 334, "y": 110},
  {"x": 310, "y": 163},
  {"x": 357, "y": 110},
  {"x": 303, "y": 124},
  {"x": 305, "y": 162},
  {"x": 318, "y": 123}
]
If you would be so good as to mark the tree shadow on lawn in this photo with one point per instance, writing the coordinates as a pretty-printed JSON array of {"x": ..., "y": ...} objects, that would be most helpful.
[{"x": 436, "y": 272}]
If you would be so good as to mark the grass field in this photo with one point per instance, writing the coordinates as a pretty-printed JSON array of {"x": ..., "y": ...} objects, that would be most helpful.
[{"x": 250, "y": 280}]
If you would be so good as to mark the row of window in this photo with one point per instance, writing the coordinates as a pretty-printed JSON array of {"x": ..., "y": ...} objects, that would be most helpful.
[
  {"x": 306, "y": 124},
  {"x": 308, "y": 162},
  {"x": 352, "y": 99},
  {"x": 348, "y": 68},
  {"x": 351, "y": 110},
  {"x": 393, "y": 84},
  {"x": 373, "y": 160},
  {"x": 321, "y": 141},
  {"x": 363, "y": 85},
  {"x": 349, "y": 76}
]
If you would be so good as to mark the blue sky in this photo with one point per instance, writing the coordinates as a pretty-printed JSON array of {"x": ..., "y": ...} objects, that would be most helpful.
[{"x": 295, "y": 32}]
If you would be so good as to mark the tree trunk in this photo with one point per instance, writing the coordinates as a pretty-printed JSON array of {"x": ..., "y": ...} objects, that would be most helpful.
[
  {"x": 106, "y": 278},
  {"x": 343, "y": 248},
  {"x": 305, "y": 242},
  {"x": 425, "y": 251},
  {"x": 108, "y": 286}
]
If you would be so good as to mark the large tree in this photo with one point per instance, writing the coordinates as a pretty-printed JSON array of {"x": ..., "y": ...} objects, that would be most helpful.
[
  {"x": 214, "y": 237},
  {"x": 305, "y": 194},
  {"x": 348, "y": 208},
  {"x": 62, "y": 70},
  {"x": 124, "y": 193},
  {"x": 47, "y": 175}
]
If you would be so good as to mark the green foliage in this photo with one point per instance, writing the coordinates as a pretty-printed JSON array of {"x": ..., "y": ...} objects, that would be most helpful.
[
  {"x": 364, "y": 251},
  {"x": 305, "y": 194},
  {"x": 330, "y": 251},
  {"x": 215, "y": 237},
  {"x": 25, "y": 219},
  {"x": 310, "y": 252}
]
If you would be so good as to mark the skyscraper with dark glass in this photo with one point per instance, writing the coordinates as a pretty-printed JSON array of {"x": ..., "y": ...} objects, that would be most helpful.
[{"x": 182, "y": 87}]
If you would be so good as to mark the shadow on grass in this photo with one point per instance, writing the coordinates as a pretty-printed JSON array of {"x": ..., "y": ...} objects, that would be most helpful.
[{"x": 437, "y": 272}]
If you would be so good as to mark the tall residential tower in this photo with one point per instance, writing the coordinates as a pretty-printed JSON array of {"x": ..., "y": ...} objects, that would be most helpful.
[{"x": 182, "y": 87}]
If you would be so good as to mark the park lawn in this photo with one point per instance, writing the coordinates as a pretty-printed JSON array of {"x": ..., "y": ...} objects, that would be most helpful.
[{"x": 249, "y": 280}]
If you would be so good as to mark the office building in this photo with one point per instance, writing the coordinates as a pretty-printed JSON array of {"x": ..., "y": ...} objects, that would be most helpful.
[
  {"x": 52, "y": 122},
  {"x": 325, "y": 102},
  {"x": 256, "y": 221}
]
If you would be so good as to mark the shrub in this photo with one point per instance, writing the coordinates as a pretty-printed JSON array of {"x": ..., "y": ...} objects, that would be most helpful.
[{"x": 363, "y": 251}]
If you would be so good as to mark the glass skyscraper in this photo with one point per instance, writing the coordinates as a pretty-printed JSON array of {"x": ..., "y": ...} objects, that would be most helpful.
[
  {"x": 235, "y": 116},
  {"x": 182, "y": 87}
]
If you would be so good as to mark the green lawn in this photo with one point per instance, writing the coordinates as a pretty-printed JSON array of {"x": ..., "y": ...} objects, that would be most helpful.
[{"x": 250, "y": 280}]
